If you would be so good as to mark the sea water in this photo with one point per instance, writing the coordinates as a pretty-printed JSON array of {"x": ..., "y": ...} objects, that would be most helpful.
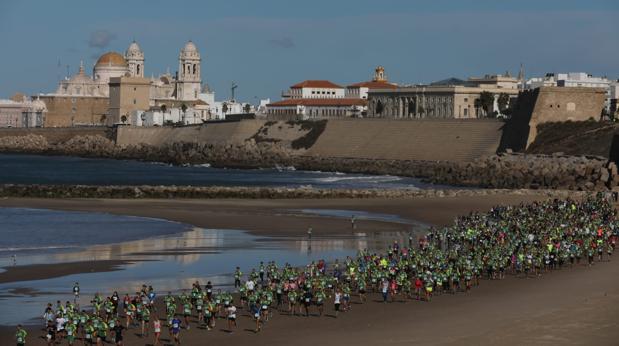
[
  {"x": 65, "y": 170},
  {"x": 168, "y": 255}
]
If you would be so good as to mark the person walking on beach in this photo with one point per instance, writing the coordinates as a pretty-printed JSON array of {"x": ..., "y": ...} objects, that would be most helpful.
[
  {"x": 237, "y": 277},
  {"x": 76, "y": 292},
  {"x": 352, "y": 223},
  {"x": 20, "y": 336}
]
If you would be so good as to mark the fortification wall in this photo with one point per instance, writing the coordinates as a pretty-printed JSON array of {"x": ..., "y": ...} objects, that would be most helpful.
[
  {"x": 224, "y": 132},
  {"x": 429, "y": 139},
  {"x": 556, "y": 104},
  {"x": 58, "y": 134}
]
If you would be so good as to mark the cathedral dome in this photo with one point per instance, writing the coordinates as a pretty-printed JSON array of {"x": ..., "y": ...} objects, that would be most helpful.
[{"x": 111, "y": 59}]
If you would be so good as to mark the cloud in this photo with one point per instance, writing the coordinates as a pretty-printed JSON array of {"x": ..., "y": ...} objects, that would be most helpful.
[
  {"x": 100, "y": 39},
  {"x": 284, "y": 42}
]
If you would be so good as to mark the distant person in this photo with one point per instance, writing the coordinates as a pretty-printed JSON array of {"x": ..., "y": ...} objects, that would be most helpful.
[
  {"x": 76, "y": 292},
  {"x": 352, "y": 223}
]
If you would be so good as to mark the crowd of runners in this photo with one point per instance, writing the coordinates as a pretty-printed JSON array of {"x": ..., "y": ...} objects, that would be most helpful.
[{"x": 526, "y": 241}]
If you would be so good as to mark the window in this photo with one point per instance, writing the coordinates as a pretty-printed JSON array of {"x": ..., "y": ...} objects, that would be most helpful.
[
  {"x": 134, "y": 89},
  {"x": 466, "y": 99},
  {"x": 135, "y": 101},
  {"x": 466, "y": 112}
]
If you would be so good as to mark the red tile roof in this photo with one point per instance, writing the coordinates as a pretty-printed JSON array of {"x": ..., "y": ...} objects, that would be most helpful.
[
  {"x": 374, "y": 85},
  {"x": 316, "y": 84},
  {"x": 319, "y": 102}
]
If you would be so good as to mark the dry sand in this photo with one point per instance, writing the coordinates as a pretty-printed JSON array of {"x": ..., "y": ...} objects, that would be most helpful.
[{"x": 569, "y": 307}]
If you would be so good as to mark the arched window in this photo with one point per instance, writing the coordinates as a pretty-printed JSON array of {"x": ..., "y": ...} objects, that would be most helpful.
[
  {"x": 138, "y": 69},
  {"x": 194, "y": 68}
]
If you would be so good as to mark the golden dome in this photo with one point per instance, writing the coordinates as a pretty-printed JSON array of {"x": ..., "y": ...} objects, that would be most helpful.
[{"x": 111, "y": 59}]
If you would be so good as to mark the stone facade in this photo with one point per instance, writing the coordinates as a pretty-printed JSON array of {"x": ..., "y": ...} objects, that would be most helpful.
[
  {"x": 66, "y": 111},
  {"x": 127, "y": 94},
  {"x": 556, "y": 104}
]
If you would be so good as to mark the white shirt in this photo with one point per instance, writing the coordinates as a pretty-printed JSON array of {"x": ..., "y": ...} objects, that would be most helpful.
[
  {"x": 250, "y": 285},
  {"x": 338, "y": 296},
  {"x": 232, "y": 311},
  {"x": 60, "y": 321}
]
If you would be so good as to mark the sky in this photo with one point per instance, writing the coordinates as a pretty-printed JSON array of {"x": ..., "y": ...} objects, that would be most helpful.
[{"x": 264, "y": 46}]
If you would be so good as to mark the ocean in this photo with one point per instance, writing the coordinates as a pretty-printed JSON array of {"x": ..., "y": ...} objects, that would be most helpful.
[{"x": 65, "y": 170}]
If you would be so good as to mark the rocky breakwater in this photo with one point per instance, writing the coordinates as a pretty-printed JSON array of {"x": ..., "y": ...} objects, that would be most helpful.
[
  {"x": 506, "y": 171},
  {"x": 587, "y": 173},
  {"x": 168, "y": 192}
]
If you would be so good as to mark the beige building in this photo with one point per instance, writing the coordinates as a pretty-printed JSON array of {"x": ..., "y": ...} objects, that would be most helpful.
[
  {"x": 451, "y": 98},
  {"x": 127, "y": 94}
]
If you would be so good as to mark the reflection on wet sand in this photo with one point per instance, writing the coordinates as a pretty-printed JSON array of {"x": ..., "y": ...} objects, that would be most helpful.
[{"x": 174, "y": 262}]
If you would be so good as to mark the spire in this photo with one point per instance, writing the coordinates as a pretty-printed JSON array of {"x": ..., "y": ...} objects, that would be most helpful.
[
  {"x": 81, "y": 67},
  {"x": 521, "y": 77}
]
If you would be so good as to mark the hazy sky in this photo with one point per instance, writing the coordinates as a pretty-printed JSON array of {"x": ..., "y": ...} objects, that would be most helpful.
[{"x": 267, "y": 45}]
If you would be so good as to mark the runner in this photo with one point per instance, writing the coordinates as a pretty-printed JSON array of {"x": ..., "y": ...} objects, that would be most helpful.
[
  {"x": 118, "y": 333},
  {"x": 231, "y": 310},
  {"x": 20, "y": 336},
  {"x": 176, "y": 330},
  {"x": 157, "y": 330},
  {"x": 337, "y": 301}
]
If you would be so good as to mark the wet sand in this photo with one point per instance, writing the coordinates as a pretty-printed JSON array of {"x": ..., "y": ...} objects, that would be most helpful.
[
  {"x": 47, "y": 271},
  {"x": 569, "y": 307}
]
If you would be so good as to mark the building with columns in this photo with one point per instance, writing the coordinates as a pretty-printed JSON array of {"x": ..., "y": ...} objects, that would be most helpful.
[{"x": 451, "y": 98}]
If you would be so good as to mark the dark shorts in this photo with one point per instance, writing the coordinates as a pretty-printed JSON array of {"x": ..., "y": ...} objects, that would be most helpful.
[{"x": 337, "y": 307}]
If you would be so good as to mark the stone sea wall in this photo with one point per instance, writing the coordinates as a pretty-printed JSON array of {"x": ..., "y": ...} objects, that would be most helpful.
[{"x": 507, "y": 171}]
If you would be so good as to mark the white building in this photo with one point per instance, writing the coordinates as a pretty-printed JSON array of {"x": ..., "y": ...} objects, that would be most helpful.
[
  {"x": 22, "y": 113},
  {"x": 614, "y": 99},
  {"x": 572, "y": 79},
  {"x": 156, "y": 116},
  {"x": 310, "y": 89},
  {"x": 165, "y": 88}
]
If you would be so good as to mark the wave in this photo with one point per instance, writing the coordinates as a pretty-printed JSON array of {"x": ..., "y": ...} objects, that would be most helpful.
[
  {"x": 33, "y": 248},
  {"x": 368, "y": 179}
]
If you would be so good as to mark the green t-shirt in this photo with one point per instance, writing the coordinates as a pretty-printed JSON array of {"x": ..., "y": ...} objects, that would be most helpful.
[{"x": 21, "y": 336}]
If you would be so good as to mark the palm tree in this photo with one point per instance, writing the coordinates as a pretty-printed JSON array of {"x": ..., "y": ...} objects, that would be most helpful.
[{"x": 486, "y": 101}]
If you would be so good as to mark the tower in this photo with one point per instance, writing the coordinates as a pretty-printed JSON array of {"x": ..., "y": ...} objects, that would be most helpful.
[
  {"x": 189, "y": 81},
  {"x": 379, "y": 74},
  {"x": 135, "y": 60}
]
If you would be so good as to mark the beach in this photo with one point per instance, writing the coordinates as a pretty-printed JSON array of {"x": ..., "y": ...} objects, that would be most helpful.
[{"x": 571, "y": 306}]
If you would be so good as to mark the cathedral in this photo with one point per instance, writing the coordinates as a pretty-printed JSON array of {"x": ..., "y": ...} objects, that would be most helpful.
[
  {"x": 83, "y": 100},
  {"x": 185, "y": 86}
]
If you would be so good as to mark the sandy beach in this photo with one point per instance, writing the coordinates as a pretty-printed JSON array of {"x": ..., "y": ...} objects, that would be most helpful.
[{"x": 573, "y": 306}]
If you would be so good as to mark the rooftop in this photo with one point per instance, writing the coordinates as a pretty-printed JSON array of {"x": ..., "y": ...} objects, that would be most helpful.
[
  {"x": 320, "y": 102},
  {"x": 316, "y": 84}
]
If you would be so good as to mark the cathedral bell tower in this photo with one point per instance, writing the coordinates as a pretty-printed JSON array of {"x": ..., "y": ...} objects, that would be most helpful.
[
  {"x": 189, "y": 80},
  {"x": 135, "y": 60}
]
